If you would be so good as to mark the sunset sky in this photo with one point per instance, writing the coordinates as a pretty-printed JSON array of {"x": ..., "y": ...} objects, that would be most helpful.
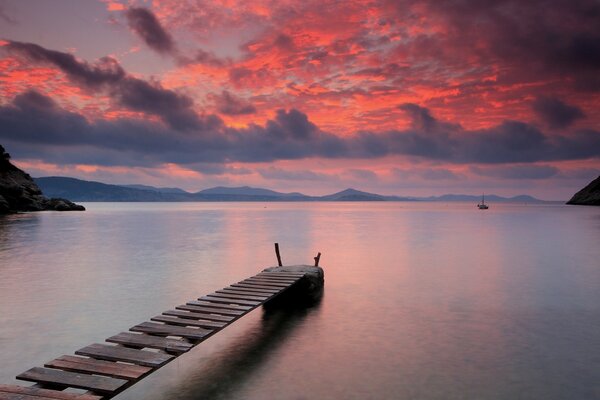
[{"x": 395, "y": 97}]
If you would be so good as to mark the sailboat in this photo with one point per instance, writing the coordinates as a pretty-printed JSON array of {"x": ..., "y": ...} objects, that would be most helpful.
[{"x": 482, "y": 205}]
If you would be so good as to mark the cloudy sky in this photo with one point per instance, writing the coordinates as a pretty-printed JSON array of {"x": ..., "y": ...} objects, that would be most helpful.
[{"x": 392, "y": 96}]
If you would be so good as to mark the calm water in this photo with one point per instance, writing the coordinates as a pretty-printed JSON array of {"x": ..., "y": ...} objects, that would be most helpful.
[{"x": 422, "y": 301}]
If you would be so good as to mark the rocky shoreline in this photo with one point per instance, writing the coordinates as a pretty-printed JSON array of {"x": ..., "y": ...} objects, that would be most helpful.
[
  {"x": 589, "y": 195},
  {"x": 19, "y": 193}
]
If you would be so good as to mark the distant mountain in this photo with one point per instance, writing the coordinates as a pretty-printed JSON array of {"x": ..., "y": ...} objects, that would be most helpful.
[
  {"x": 155, "y": 189},
  {"x": 247, "y": 191},
  {"x": 80, "y": 190},
  {"x": 492, "y": 198},
  {"x": 589, "y": 195}
]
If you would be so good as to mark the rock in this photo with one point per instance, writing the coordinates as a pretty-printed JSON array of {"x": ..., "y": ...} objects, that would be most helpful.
[
  {"x": 18, "y": 191},
  {"x": 589, "y": 195}
]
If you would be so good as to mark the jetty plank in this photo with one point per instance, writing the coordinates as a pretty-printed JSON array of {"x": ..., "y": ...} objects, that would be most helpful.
[
  {"x": 252, "y": 289},
  {"x": 253, "y": 297},
  {"x": 202, "y": 303},
  {"x": 264, "y": 283},
  {"x": 154, "y": 328},
  {"x": 256, "y": 285},
  {"x": 244, "y": 292},
  {"x": 16, "y": 392},
  {"x": 56, "y": 377},
  {"x": 188, "y": 322},
  {"x": 220, "y": 311},
  {"x": 230, "y": 301},
  {"x": 119, "y": 353},
  {"x": 153, "y": 342},
  {"x": 290, "y": 274},
  {"x": 98, "y": 367},
  {"x": 198, "y": 315},
  {"x": 277, "y": 278}
]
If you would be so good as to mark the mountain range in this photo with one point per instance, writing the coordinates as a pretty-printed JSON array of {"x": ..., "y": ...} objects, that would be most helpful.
[{"x": 90, "y": 191}]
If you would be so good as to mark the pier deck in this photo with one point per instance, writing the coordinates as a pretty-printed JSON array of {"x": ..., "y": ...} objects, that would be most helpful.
[{"x": 103, "y": 370}]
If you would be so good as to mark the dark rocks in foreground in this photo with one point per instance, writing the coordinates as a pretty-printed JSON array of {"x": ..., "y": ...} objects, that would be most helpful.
[
  {"x": 589, "y": 195},
  {"x": 18, "y": 191}
]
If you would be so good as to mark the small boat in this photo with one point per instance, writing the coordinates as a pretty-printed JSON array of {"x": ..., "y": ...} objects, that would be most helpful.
[{"x": 482, "y": 205}]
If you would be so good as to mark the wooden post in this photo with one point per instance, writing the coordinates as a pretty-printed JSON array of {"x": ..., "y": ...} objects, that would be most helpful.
[
  {"x": 317, "y": 258},
  {"x": 278, "y": 255}
]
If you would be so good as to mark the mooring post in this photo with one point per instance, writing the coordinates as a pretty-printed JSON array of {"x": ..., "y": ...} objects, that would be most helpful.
[
  {"x": 278, "y": 255},
  {"x": 317, "y": 258}
]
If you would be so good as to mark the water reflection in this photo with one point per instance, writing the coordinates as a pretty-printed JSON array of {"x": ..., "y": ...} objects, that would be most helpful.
[{"x": 233, "y": 366}]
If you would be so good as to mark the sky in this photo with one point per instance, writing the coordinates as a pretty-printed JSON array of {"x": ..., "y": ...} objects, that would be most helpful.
[{"x": 412, "y": 98}]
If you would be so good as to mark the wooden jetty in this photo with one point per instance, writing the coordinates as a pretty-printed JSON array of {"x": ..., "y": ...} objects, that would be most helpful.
[{"x": 102, "y": 370}]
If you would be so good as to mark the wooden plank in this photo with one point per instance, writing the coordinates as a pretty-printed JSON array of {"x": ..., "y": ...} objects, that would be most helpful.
[
  {"x": 290, "y": 274},
  {"x": 266, "y": 282},
  {"x": 256, "y": 286},
  {"x": 230, "y": 301},
  {"x": 31, "y": 393},
  {"x": 98, "y": 367},
  {"x": 176, "y": 346},
  {"x": 188, "y": 322},
  {"x": 258, "y": 298},
  {"x": 248, "y": 288},
  {"x": 49, "y": 376},
  {"x": 222, "y": 311},
  {"x": 262, "y": 284},
  {"x": 120, "y": 353},
  {"x": 198, "y": 315},
  {"x": 219, "y": 306},
  {"x": 276, "y": 278},
  {"x": 154, "y": 328},
  {"x": 243, "y": 292}
]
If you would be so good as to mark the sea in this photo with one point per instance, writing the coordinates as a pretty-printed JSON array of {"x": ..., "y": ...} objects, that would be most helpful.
[{"x": 422, "y": 300}]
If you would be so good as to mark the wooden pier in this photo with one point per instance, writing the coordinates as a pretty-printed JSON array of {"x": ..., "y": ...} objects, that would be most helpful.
[{"x": 103, "y": 370}]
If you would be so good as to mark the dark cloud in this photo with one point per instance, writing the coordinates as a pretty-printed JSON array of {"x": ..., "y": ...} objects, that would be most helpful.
[
  {"x": 555, "y": 113},
  {"x": 173, "y": 108},
  {"x": 37, "y": 127},
  {"x": 291, "y": 175},
  {"x": 105, "y": 71},
  {"x": 229, "y": 104},
  {"x": 517, "y": 171},
  {"x": 143, "y": 22}
]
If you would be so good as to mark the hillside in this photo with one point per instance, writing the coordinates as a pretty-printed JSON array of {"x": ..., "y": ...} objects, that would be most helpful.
[
  {"x": 18, "y": 191},
  {"x": 589, "y": 195}
]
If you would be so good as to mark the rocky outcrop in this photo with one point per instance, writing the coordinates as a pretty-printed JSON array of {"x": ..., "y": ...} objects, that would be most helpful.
[
  {"x": 589, "y": 195},
  {"x": 18, "y": 191}
]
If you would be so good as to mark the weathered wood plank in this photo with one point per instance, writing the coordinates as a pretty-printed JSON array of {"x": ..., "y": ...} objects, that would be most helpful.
[
  {"x": 119, "y": 353},
  {"x": 154, "y": 328},
  {"x": 98, "y": 367},
  {"x": 189, "y": 322},
  {"x": 229, "y": 301},
  {"x": 221, "y": 311},
  {"x": 100, "y": 384},
  {"x": 269, "y": 283},
  {"x": 265, "y": 282},
  {"x": 259, "y": 298},
  {"x": 256, "y": 286},
  {"x": 276, "y": 278},
  {"x": 201, "y": 303},
  {"x": 248, "y": 288},
  {"x": 198, "y": 315},
  {"x": 244, "y": 292},
  {"x": 176, "y": 346},
  {"x": 290, "y": 274},
  {"x": 31, "y": 393},
  {"x": 262, "y": 284}
]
